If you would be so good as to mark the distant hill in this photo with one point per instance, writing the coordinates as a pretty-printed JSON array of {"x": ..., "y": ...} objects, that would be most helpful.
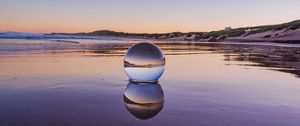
[
  {"x": 109, "y": 33},
  {"x": 286, "y": 32}
]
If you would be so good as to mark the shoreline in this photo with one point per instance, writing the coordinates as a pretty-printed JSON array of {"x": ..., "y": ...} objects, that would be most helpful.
[{"x": 163, "y": 40}]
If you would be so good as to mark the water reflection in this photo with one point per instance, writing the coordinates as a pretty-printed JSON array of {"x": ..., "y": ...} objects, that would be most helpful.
[
  {"x": 271, "y": 56},
  {"x": 143, "y": 100},
  {"x": 284, "y": 59},
  {"x": 278, "y": 57}
]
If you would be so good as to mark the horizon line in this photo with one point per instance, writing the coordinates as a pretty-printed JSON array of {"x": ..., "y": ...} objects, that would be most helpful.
[{"x": 149, "y": 32}]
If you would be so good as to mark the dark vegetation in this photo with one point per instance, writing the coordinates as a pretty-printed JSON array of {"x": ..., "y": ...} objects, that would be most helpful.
[{"x": 198, "y": 35}]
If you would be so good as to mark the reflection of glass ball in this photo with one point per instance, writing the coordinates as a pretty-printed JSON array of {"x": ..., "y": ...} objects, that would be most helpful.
[
  {"x": 144, "y": 101},
  {"x": 144, "y": 62}
]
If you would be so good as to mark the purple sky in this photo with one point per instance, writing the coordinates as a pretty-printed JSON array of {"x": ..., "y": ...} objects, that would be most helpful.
[{"x": 43, "y": 16}]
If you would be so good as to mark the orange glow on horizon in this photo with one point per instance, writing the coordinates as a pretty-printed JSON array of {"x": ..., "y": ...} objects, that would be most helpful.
[{"x": 137, "y": 16}]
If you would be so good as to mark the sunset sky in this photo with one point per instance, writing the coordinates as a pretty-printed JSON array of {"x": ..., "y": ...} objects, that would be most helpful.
[{"x": 151, "y": 16}]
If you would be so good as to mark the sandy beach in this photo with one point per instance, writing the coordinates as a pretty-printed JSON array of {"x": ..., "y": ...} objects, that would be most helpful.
[{"x": 60, "y": 83}]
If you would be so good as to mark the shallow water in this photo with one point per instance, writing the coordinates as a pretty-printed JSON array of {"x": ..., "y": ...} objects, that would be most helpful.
[{"x": 55, "y": 83}]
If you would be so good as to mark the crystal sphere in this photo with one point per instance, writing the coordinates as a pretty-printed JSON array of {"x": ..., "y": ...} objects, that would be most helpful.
[
  {"x": 144, "y": 62},
  {"x": 143, "y": 101}
]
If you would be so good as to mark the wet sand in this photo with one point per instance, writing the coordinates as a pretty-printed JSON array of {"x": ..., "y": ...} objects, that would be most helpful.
[{"x": 52, "y": 83}]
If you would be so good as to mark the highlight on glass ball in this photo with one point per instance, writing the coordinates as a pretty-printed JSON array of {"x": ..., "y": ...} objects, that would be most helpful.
[
  {"x": 144, "y": 101},
  {"x": 144, "y": 62}
]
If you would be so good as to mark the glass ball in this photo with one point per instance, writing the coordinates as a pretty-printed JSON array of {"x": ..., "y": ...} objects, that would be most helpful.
[{"x": 144, "y": 62}]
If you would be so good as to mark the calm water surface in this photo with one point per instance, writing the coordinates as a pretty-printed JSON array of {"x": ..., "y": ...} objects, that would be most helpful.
[{"x": 50, "y": 82}]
